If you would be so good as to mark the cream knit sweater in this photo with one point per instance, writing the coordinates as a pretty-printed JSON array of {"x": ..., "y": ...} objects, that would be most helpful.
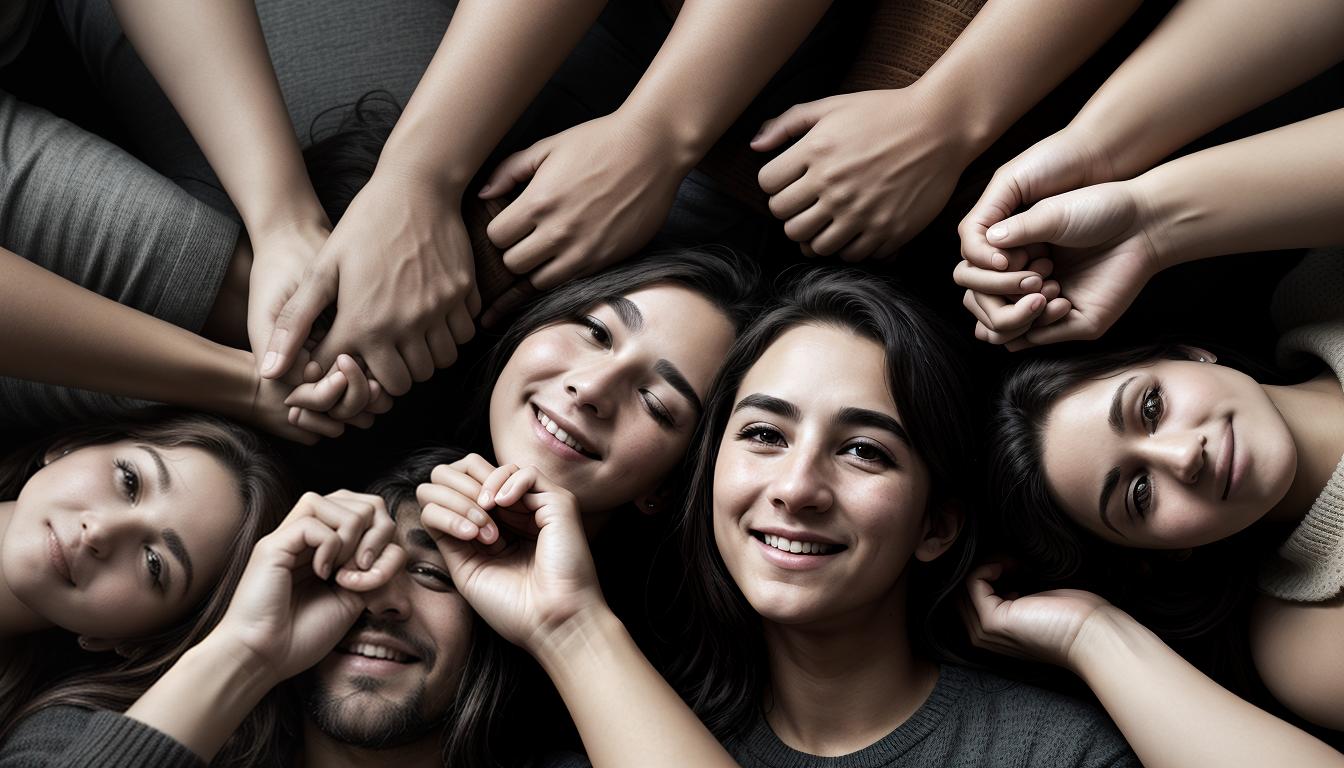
[{"x": 1309, "y": 566}]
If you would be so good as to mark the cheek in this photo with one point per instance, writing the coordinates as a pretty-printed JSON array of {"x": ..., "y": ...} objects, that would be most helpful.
[{"x": 453, "y": 628}]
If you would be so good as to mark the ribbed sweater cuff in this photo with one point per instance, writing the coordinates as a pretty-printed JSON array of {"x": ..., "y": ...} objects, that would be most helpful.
[{"x": 114, "y": 739}]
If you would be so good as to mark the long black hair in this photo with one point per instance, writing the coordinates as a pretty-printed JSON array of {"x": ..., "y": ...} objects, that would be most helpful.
[{"x": 722, "y": 672}]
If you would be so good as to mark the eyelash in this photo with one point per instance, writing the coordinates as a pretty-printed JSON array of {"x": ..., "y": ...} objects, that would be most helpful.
[
  {"x": 130, "y": 481},
  {"x": 754, "y": 432},
  {"x": 597, "y": 332},
  {"x": 422, "y": 569},
  {"x": 656, "y": 409},
  {"x": 1141, "y": 493},
  {"x": 154, "y": 562},
  {"x": 599, "y": 335}
]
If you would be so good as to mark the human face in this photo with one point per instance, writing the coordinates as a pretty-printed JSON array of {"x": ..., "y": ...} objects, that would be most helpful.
[
  {"x": 1168, "y": 455},
  {"x": 606, "y": 405},
  {"x": 121, "y": 540},
  {"x": 395, "y": 675},
  {"x": 814, "y": 453}
]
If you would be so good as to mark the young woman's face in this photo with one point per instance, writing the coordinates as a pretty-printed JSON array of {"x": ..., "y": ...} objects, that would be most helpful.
[
  {"x": 1168, "y": 455},
  {"x": 119, "y": 541},
  {"x": 606, "y": 406},
  {"x": 819, "y": 501}
]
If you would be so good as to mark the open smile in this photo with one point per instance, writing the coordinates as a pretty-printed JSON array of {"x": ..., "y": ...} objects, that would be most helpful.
[{"x": 560, "y": 439}]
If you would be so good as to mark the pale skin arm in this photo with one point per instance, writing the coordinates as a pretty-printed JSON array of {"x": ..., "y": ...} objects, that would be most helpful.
[
  {"x": 1276, "y": 190},
  {"x": 1229, "y": 56},
  {"x": 1299, "y": 657},
  {"x": 544, "y": 596},
  {"x": 1171, "y": 714},
  {"x": 60, "y": 333}
]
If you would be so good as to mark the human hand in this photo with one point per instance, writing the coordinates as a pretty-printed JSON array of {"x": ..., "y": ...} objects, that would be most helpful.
[
  {"x": 527, "y": 589},
  {"x": 595, "y": 194},
  {"x": 1042, "y": 627},
  {"x": 1064, "y": 161},
  {"x": 399, "y": 267},
  {"x": 280, "y": 258},
  {"x": 868, "y": 171},
  {"x": 301, "y": 589},
  {"x": 345, "y": 395},
  {"x": 1100, "y": 248}
]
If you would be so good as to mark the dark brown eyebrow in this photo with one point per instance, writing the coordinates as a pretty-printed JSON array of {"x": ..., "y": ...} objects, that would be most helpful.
[
  {"x": 1117, "y": 417},
  {"x": 1107, "y": 486},
  {"x": 628, "y": 312},
  {"x": 179, "y": 550},
  {"x": 672, "y": 375},
  {"x": 419, "y": 537},
  {"x": 165, "y": 481},
  {"x": 862, "y": 417},
  {"x": 770, "y": 405}
]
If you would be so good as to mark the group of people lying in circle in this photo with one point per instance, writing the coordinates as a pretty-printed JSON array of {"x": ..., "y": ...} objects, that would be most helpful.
[{"x": 850, "y": 526}]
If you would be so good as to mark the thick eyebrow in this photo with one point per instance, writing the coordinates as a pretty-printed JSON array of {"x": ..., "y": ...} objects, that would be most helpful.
[
  {"x": 165, "y": 481},
  {"x": 179, "y": 550},
  {"x": 419, "y": 537},
  {"x": 1117, "y": 417},
  {"x": 1107, "y": 486},
  {"x": 770, "y": 405},
  {"x": 628, "y": 312},
  {"x": 673, "y": 376},
  {"x": 863, "y": 417}
]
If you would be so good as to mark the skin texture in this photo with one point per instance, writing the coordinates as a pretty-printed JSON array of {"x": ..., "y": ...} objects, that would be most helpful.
[
  {"x": 1179, "y": 456},
  {"x": 601, "y": 381},
  {"x": 109, "y": 521}
]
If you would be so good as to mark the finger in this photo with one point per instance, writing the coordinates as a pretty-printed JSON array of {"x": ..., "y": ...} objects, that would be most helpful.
[
  {"x": 319, "y": 396},
  {"x": 378, "y": 536},
  {"x": 513, "y": 170},
  {"x": 472, "y": 465},
  {"x": 531, "y": 252},
  {"x": 508, "y": 302},
  {"x": 977, "y": 304},
  {"x": 1055, "y": 310},
  {"x": 461, "y": 500},
  {"x": 461, "y": 325},
  {"x": 779, "y": 173},
  {"x": 317, "y": 423},
  {"x": 791, "y": 124},
  {"x": 516, "y": 486},
  {"x": 973, "y": 278},
  {"x": 492, "y": 483},
  {"x": 440, "y": 519},
  {"x": 357, "y": 396},
  {"x": 1072, "y": 327},
  {"x": 863, "y": 247},
  {"x": 350, "y": 518},
  {"x": 361, "y": 420},
  {"x": 1015, "y": 315},
  {"x": 1050, "y": 290},
  {"x": 1042, "y": 223},
  {"x": 415, "y": 353},
  {"x": 294, "y": 322},
  {"x": 388, "y": 564},
  {"x": 442, "y": 348},
  {"x": 379, "y": 400},
  {"x": 387, "y": 366},
  {"x": 793, "y": 200},
  {"x": 560, "y": 270},
  {"x": 833, "y": 238},
  {"x": 805, "y": 226}
]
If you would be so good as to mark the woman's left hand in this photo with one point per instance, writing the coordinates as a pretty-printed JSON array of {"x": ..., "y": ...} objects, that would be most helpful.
[
  {"x": 526, "y": 590},
  {"x": 1041, "y": 627}
]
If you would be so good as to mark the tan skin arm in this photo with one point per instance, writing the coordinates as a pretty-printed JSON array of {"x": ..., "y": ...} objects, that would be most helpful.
[{"x": 1300, "y": 657}]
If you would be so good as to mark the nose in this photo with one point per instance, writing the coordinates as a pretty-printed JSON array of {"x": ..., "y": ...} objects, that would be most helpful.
[
  {"x": 800, "y": 485},
  {"x": 1180, "y": 453},
  {"x": 595, "y": 388},
  {"x": 100, "y": 531},
  {"x": 390, "y": 601}
]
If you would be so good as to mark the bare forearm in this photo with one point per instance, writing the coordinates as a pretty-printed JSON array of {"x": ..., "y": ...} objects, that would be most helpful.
[
  {"x": 1174, "y": 715},
  {"x": 203, "y": 698},
  {"x": 1012, "y": 54},
  {"x": 494, "y": 59},
  {"x": 718, "y": 56},
  {"x": 1279, "y": 189},
  {"x": 621, "y": 705},
  {"x": 211, "y": 60},
  {"x": 59, "y": 333},
  {"x": 1206, "y": 63}
]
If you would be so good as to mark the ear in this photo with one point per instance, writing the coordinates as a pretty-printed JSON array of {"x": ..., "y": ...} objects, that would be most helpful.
[
  {"x": 1199, "y": 354},
  {"x": 941, "y": 528}
]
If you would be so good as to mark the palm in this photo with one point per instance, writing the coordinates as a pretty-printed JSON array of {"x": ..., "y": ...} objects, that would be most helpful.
[{"x": 1045, "y": 625}]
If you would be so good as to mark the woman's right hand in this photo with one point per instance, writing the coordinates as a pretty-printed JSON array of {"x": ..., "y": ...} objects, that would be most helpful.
[
  {"x": 525, "y": 589},
  {"x": 301, "y": 589},
  {"x": 1041, "y": 627}
]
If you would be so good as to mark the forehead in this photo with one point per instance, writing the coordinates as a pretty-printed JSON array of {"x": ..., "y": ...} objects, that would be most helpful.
[
  {"x": 825, "y": 367},
  {"x": 680, "y": 325},
  {"x": 1078, "y": 446}
]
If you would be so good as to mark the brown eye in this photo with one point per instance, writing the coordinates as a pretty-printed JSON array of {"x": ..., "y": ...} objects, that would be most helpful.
[
  {"x": 1151, "y": 410},
  {"x": 1142, "y": 494}
]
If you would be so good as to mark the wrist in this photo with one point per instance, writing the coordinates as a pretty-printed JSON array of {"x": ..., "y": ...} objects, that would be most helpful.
[
  {"x": 1102, "y": 640},
  {"x": 241, "y": 668},
  {"x": 231, "y": 385},
  {"x": 680, "y": 139},
  {"x": 292, "y": 208},
  {"x": 1170, "y": 219},
  {"x": 404, "y": 159},
  {"x": 959, "y": 124},
  {"x": 562, "y": 644}
]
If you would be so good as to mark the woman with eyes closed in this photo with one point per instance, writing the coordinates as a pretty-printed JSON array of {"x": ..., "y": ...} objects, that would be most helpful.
[
  {"x": 817, "y": 534},
  {"x": 130, "y": 535},
  {"x": 1167, "y": 449}
]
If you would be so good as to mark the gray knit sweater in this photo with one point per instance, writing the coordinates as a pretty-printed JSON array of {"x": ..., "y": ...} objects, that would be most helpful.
[
  {"x": 83, "y": 738},
  {"x": 1309, "y": 566},
  {"x": 971, "y": 719}
]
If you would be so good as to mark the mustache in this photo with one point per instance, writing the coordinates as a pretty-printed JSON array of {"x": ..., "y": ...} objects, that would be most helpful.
[{"x": 396, "y": 631}]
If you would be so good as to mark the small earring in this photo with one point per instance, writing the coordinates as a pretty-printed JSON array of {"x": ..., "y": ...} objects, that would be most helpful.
[
  {"x": 84, "y": 643},
  {"x": 1203, "y": 359},
  {"x": 650, "y": 503}
]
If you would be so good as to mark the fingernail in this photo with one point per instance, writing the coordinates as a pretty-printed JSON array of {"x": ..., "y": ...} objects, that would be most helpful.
[
  {"x": 1030, "y": 284},
  {"x": 366, "y": 560},
  {"x": 484, "y": 498},
  {"x": 485, "y": 190},
  {"x": 268, "y": 365},
  {"x": 1000, "y": 261},
  {"x": 1037, "y": 303},
  {"x": 998, "y": 232}
]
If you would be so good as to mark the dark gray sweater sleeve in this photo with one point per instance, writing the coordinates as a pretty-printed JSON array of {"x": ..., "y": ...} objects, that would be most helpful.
[{"x": 80, "y": 738}]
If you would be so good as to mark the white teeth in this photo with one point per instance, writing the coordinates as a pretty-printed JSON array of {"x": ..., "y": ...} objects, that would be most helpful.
[
  {"x": 559, "y": 433},
  {"x": 798, "y": 547},
  {"x": 371, "y": 651}
]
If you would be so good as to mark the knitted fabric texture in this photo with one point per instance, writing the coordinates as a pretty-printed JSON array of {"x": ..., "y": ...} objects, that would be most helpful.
[{"x": 1309, "y": 566}]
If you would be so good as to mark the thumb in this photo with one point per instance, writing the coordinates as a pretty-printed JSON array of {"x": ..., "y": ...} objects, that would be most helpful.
[
  {"x": 514, "y": 170},
  {"x": 1042, "y": 223},
  {"x": 295, "y": 321},
  {"x": 792, "y": 124}
]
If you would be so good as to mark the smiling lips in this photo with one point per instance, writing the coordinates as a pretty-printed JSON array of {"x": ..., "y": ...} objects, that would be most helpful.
[
  {"x": 553, "y": 428},
  {"x": 1226, "y": 457},
  {"x": 56, "y": 552}
]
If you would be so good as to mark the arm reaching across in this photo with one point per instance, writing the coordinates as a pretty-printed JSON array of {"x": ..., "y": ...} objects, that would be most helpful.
[
  {"x": 1170, "y": 712},
  {"x": 543, "y": 595}
]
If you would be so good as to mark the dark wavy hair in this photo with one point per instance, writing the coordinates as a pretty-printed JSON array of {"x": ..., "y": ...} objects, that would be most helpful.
[
  {"x": 46, "y": 671},
  {"x": 722, "y": 672},
  {"x": 1180, "y": 595}
]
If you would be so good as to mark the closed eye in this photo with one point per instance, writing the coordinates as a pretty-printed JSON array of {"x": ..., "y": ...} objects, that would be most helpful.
[
  {"x": 431, "y": 577},
  {"x": 657, "y": 410}
]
